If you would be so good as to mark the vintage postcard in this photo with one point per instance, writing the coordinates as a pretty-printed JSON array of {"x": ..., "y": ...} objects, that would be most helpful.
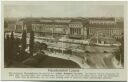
[{"x": 67, "y": 40}]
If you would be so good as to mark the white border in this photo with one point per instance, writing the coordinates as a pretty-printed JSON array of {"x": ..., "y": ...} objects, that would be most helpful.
[{"x": 125, "y": 29}]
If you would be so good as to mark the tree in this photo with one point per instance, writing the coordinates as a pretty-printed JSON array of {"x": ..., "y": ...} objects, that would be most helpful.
[
  {"x": 12, "y": 36},
  {"x": 119, "y": 54},
  {"x": 6, "y": 50},
  {"x": 31, "y": 45},
  {"x": 11, "y": 49},
  {"x": 23, "y": 41},
  {"x": 121, "y": 48},
  {"x": 43, "y": 46},
  {"x": 69, "y": 51},
  {"x": 17, "y": 50}
]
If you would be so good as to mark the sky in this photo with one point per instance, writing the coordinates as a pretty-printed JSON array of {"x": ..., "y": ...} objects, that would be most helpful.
[{"x": 61, "y": 9}]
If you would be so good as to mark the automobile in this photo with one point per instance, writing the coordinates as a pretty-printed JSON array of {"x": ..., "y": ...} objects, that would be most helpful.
[
  {"x": 105, "y": 52},
  {"x": 87, "y": 51}
]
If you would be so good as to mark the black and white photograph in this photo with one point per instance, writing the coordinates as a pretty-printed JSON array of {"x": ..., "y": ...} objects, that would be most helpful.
[{"x": 63, "y": 34}]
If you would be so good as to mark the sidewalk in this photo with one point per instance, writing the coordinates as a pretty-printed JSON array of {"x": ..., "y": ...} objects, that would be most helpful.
[{"x": 74, "y": 58}]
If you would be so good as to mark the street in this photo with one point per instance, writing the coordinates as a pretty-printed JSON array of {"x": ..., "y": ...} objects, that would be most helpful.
[{"x": 85, "y": 55}]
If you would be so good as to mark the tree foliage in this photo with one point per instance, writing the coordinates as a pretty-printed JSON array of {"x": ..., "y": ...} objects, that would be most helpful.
[
  {"x": 31, "y": 45},
  {"x": 23, "y": 41},
  {"x": 120, "y": 52},
  {"x": 13, "y": 50}
]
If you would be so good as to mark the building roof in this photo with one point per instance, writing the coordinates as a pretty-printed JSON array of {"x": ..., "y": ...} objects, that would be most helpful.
[{"x": 91, "y": 21}]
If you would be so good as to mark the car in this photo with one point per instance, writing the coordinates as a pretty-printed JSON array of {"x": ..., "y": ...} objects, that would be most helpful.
[
  {"x": 87, "y": 51},
  {"x": 105, "y": 52}
]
